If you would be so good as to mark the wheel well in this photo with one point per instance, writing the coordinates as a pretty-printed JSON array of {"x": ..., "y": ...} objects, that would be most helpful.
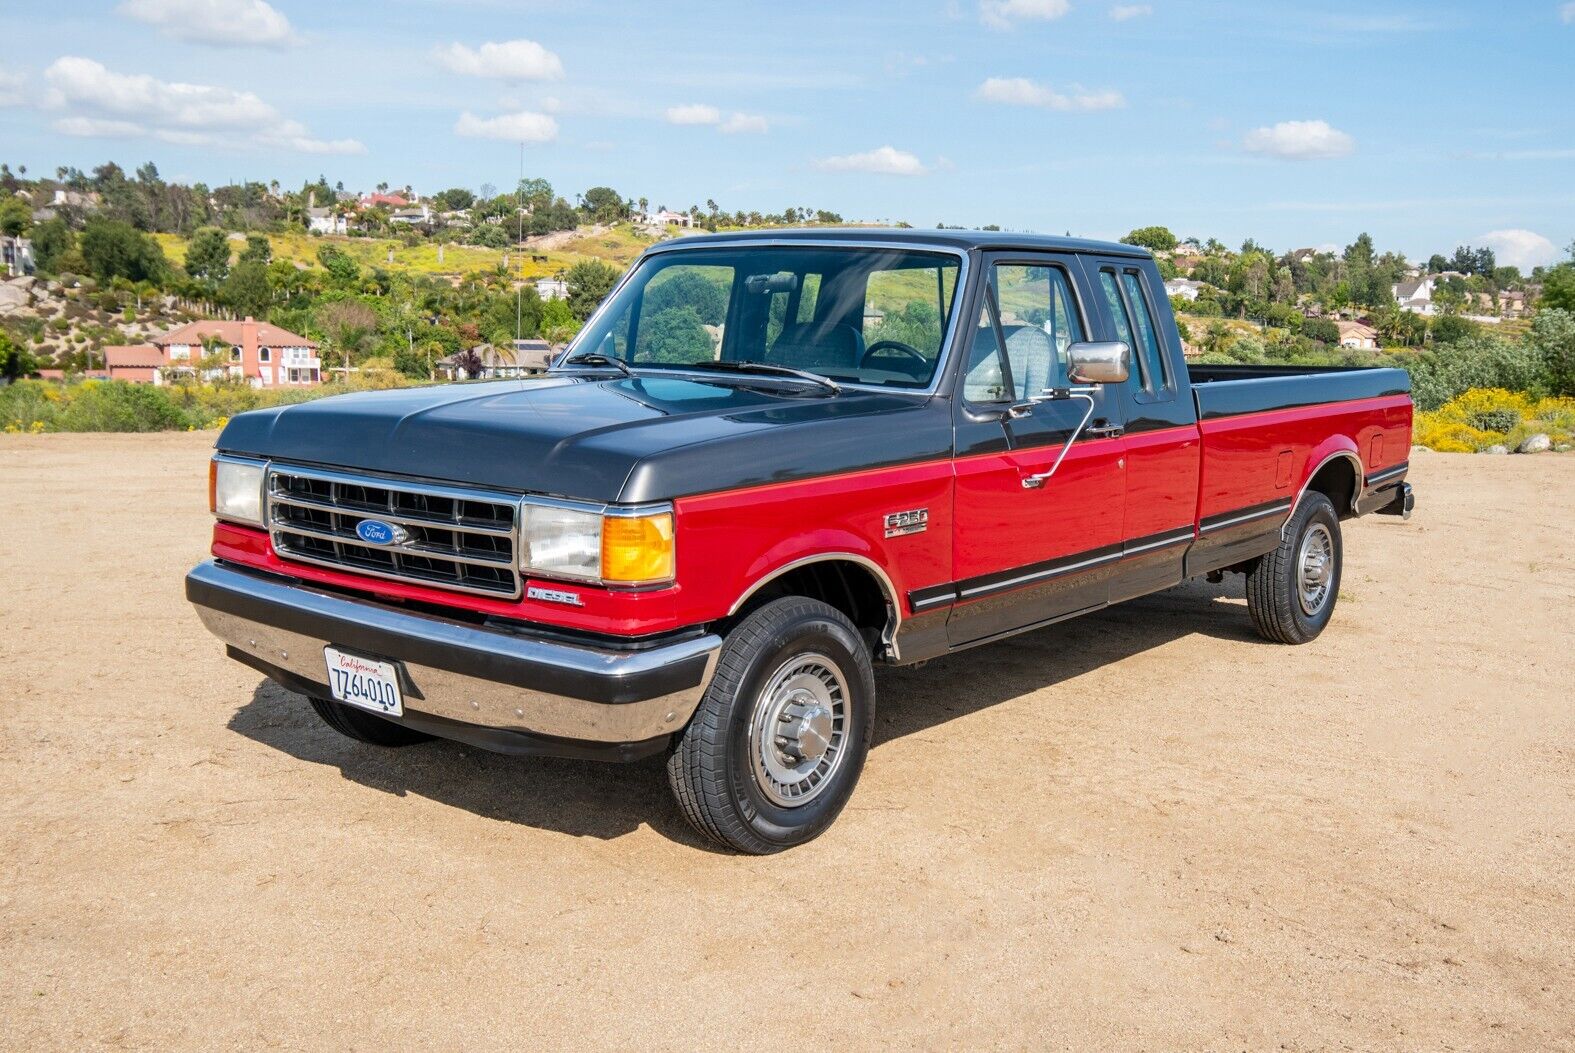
[
  {"x": 850, "y": 587},
  {"x": 1337, "y": 481}
]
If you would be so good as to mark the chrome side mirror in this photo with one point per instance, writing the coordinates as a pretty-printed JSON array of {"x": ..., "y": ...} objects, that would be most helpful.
[{"x": 1098, "y": 362}]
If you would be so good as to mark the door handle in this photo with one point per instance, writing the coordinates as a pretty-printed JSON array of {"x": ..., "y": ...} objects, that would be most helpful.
[{"x": 1104, "y": 431}]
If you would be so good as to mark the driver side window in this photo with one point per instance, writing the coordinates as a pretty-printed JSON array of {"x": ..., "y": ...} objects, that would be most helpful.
[{"x": 1038, "y": 321}]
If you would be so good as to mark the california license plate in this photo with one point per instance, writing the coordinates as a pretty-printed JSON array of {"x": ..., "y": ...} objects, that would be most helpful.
[{"x": 364, "y": 682}]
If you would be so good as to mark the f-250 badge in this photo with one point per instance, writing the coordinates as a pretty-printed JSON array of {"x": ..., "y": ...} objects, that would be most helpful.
[{"x": 915, "y": 521}]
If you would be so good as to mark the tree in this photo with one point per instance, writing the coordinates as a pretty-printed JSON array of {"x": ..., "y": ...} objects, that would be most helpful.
[
  {"x": 340, "y": 265},
  {"x": 453, "y": 199},
  {"x": 349, "y": 326},
  {"x": 589, "y": 283},
  {"x": 1156, "y": 239},
  {"x": 1553, "y": 335},
  {"x": 247, "y": 291},
  {"x": 52, "y": 240},
  {"x": 15, "y": 216},
  {"x": 675, "y": 335},
  {"x": 111, "y": 248},
  {"x": 686, "y": 286},
  {"x": 1451, "y": 329},
  {"x": 15, "y": 361},
  {"x": 1558, "y": 288},
  {"x": 208, "y": 255},
  {"x": 604, "y": 204},
  {"x": 258, "y": 249},
  {"x": 1322, "y": 330}
]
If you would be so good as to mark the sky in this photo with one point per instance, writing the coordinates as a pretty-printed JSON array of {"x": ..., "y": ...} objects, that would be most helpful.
[{"x": 1426, "y": 124}]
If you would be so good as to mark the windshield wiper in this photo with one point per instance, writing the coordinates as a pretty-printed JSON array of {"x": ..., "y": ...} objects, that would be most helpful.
[
  {"x": 596, "y": 358},
  {"x": 769, "y": 368}
]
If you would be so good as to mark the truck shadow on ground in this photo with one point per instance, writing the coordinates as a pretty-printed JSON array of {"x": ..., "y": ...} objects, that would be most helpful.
[{"x": 591, "y": 799}]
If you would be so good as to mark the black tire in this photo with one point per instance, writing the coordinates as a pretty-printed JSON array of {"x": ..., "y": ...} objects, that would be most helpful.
[
  {"x": 1274, "y": 585},
  {"x": 712, "y": 769},
  {"x": 365, "y": 727}
]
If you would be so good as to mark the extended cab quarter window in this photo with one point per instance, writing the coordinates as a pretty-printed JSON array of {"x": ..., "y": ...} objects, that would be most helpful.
[
  {"x": 1038, "y": 321},
  {"x": 1134, "y": 324}
]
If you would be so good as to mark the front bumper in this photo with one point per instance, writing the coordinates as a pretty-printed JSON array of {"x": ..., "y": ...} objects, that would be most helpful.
[{"x": 511, "y": 691}]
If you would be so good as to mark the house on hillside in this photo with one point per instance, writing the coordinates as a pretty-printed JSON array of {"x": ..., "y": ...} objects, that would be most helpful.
[
  {"x": 1357, "y": 335},
  {"x": 552, "y": 288},
  {"x": 16, "y": 256},
  {"x": 411, "y": 215},
  {"x": 260, "y": 353},
  {"x": 522, "y": 359},
  {"x": 1185, "y": 288},
  {"x": 1415, "y": 295},
  {"x": 668, "y": 218},
  {"x": 381, "y": 200},
  {"x": 326, "y": 221},
  {"x": 137, "y": 363}
]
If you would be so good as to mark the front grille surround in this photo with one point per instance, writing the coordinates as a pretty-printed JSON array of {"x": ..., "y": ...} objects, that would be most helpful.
[{"x": 460, "y": 539}]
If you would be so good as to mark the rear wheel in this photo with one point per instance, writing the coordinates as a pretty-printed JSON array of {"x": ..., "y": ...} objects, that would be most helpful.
[
  {"x": 777, "y": 743},
  {"x": 365, "y": 727},
  {"x": 1291, "y": 592}
]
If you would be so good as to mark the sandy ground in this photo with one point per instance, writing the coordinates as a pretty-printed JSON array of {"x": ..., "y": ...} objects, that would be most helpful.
[{"x": 1141, "y": 830}]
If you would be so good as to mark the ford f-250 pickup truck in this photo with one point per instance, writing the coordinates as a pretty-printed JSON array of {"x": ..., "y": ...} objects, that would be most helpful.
[{"x": 768, "y": 462}]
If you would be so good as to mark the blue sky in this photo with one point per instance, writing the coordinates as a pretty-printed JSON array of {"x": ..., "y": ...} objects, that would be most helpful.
[{"x": 1426, "y": 124}]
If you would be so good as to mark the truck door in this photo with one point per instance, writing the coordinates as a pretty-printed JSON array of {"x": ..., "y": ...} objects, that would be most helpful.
[
  {"x": 1024, "y": 551},
  {"x": 1161, "y": 445}
]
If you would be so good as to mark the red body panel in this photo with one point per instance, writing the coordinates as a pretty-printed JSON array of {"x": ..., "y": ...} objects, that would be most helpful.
[
  {"x": 980, "y": 518},
  {"x": 1241, "y": 455},
  {"x": 1162, "y": 480},
  {"x": 1002, "y": 525}
]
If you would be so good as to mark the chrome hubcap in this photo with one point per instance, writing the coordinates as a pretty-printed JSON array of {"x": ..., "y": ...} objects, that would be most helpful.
[
  {"x": 1315, "y": 568},
  {"x": 798, "y": 729}
]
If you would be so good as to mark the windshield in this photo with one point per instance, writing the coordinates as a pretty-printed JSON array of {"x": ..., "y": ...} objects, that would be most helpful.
[{"x": 862, "y": 315}]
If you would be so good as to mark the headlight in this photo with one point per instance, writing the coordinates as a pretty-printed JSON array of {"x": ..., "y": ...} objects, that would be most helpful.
[
  {"x": 595, "y": 543},
  {"x": 235, "y": 489}
]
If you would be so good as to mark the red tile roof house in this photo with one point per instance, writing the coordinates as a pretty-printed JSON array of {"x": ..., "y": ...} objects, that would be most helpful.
[
  {"x": 260, "y": 352},
  {"x": 138, "y": 363}
]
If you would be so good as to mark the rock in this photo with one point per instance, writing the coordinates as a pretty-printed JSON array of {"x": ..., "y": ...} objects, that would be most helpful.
[
  {"x": 22, "y": 281},
  {"x": 1538, "y": 443},
  {"x": 1496, "y": 449},
  {"x": 13, "y": 296}
]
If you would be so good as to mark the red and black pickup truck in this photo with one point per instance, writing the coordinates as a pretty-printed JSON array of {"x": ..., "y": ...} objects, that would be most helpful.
[{"x": 769, "y": 462}]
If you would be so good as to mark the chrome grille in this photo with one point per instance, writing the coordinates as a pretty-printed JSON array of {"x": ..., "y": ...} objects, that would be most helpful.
[{"x": 455, "y": 538}]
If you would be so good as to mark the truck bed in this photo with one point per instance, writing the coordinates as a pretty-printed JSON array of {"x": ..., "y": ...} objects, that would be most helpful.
[{"x": 1229, "y": 391}]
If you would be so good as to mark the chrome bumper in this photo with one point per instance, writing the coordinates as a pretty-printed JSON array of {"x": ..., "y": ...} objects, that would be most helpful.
[{"x": 467, "y": 675}]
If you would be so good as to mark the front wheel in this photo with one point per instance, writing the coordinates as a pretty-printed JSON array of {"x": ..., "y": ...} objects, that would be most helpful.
[
  {"x": 777, "y": 743},
  {"x": 1292, "y": 590}
]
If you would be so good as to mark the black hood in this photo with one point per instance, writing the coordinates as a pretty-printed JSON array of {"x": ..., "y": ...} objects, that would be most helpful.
[{"x": 627, "y": 439}]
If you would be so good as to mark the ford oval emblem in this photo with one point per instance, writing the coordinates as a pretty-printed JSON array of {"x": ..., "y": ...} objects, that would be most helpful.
[{"x": 377, "y": 532}]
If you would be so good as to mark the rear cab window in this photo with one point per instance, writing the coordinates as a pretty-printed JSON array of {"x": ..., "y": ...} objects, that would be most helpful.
[{"x": 1126, "y": 298}]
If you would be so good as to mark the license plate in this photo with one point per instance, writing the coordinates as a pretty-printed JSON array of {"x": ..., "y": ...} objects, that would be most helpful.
[{"x": 364, "y": 682}]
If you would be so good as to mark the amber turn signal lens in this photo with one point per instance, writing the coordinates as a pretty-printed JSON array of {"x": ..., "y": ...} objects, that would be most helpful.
[
  {"x": 213, "y": 485},
  {"x": 637, "y": 550}
]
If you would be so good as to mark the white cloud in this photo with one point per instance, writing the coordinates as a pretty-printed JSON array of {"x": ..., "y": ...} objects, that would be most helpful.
[
  {"x": 522, "y": 127},
  {"x": 1020, "y": 91},
  {"x": 226, "y": 23},
  {"x": 96, "y": 101},
  {"x": 502, "y": 60},
  {"x": 744, "y": 122},
  {"x": 1126, "y": 12},
  {"x": 884, "y": 160},
  {"x": 1299, "y": 141},
  {"x": 703, "y": 114},
  {"x": 1002, "y": 14},
  {"x": 1521, "y": 248},
  {"x": 1567, "y": 14},
  {"x": 11, "y": 85},
  {"x": 697, "y": 113}
]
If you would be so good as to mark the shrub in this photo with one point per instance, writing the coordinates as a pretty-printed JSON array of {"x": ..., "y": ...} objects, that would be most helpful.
[
  {"x": 117, "y": 406},
  {"x": 1441, "y": 373}
]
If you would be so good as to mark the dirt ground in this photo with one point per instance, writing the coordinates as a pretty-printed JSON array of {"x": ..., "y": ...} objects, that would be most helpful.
[{"x": 1141, "y": 830}]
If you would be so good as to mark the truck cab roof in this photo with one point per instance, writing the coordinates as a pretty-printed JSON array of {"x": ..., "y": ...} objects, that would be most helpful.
[{"x": 963, "y": 240}]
